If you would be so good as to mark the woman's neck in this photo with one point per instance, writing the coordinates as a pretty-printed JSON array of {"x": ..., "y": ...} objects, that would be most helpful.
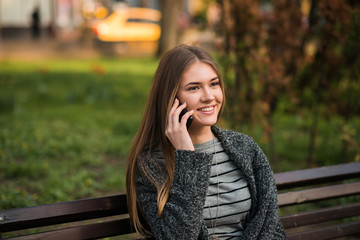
[{"x": 201, "y": 135}]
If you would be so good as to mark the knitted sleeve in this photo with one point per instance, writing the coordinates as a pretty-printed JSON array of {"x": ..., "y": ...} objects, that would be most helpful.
[
  {"x": 182, "y": 216},
  {"x": 266, "y": 222}
]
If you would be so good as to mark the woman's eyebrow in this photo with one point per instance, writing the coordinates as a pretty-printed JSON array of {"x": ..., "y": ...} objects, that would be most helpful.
[
  {"x": 197, "y": 83},
  {"x": 192, "y": 83}
]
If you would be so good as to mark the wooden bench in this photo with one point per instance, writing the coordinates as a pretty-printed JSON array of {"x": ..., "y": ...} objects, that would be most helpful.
[
  {"x": 333, "y": 192},
  {"x": 108, "y": 216}
]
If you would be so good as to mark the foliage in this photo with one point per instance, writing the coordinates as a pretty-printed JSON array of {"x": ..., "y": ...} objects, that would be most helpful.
[{"x": 275, "y": 53}]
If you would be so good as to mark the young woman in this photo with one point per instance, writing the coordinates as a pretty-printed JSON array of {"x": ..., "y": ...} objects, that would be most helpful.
[{"x": 197, "y": 182}]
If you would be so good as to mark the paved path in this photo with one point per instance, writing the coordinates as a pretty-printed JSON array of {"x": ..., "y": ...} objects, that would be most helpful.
[
  {"x": 71, "y": 45},
  {"x": 43, "y": 49}
]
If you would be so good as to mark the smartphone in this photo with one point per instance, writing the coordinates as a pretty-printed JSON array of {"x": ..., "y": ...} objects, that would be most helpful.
[{"x": 189, "y": 120}]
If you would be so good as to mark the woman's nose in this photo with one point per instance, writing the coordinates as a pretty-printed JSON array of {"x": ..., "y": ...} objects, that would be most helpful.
[{"x": 207, "y": 96}]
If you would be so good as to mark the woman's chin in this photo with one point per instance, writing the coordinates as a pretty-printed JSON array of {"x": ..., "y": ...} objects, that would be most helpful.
[{"x": 207, "y": 123}]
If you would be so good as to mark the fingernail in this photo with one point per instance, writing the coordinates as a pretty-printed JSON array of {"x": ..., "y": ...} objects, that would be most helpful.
[{"x": 184, "y": 103}]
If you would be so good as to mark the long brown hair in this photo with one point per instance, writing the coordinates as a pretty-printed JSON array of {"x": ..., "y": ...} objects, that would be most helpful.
[{"x": 151, "y": 133}]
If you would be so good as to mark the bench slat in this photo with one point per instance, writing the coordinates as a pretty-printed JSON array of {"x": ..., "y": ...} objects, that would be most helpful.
[
  {"x": 320, "y": 216},
  {"x": 91, "y": 231},
  {"x": 314, "y": 194},
  {"x": 313, "y": 176},
  {"x": 329, "y": 232},
  {"x": 56, "y": 213}
]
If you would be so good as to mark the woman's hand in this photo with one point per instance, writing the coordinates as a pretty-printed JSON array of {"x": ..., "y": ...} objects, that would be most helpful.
[{"x": 176, "y": 131}]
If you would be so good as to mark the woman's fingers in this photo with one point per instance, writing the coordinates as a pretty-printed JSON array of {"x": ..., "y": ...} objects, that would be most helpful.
[
  {"x": 174, "y": 106},
  {"x": 175, "y": 113},
  {"x": 185, "y": 117},
  {"x": 171, "y": 113},
  {"x": 176, "y": 130}
]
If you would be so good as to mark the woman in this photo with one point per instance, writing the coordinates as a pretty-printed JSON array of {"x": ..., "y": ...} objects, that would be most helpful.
[{"x": 199, "y": 182}]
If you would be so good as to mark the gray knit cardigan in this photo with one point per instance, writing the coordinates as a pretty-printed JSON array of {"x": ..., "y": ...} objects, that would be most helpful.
[{"x": 182, "y": 216}]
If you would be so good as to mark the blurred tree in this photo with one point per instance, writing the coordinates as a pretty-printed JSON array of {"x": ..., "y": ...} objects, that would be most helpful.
[
  {"x": 281, "y": 62},
  {"x": 241, "y": 30},
  {"x": 266, "y": 50},
  {"x": 322, "y": 75},
  {"x": 304, "y": 53},
  {"x": 345, "y": 99},
  {"x": 170, "y": 10}
]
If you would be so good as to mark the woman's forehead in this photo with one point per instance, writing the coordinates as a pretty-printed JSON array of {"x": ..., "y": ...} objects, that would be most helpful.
[{"x": 198, "y": 71}]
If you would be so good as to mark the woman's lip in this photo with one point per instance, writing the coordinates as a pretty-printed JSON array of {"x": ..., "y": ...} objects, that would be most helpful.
[{"x": 207, "y": 109}]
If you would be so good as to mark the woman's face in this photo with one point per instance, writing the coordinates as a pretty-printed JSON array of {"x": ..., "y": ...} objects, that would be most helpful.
[{"x": 200, "y": 89}]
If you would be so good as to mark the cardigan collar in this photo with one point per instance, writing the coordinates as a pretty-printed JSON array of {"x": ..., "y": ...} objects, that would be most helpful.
[{"x": 236, "y": 145}]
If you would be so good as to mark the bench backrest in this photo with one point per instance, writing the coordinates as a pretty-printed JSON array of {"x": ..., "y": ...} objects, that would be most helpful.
[
  {"x": 320, "y": 184},
  {"x": 109, "y": 215},
  {"x": 75, "y": 211}
]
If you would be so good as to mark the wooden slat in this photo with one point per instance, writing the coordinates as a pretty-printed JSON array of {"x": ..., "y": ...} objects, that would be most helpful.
[
  {"x": 329, "y": 232},
  {"x": 317, "y": 175},
  {"x": 315, "y": 194},
  {"x": 50, "y": 214},
  {"x": 320, "y": 216},
  {"x": 90, "y": 231}
]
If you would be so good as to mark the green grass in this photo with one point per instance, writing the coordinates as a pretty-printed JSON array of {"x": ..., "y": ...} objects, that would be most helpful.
[{"x": 66, "y": 127}]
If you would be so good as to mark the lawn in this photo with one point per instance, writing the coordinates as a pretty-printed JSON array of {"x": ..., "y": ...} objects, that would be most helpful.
[{"x": 66, "y": 127}]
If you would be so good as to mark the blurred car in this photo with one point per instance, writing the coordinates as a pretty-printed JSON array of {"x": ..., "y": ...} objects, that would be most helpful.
[{"x": 130, "y": 25}]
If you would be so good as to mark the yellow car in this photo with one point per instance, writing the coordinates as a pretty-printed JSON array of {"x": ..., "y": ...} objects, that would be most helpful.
[{"x": 130, "y": 25}]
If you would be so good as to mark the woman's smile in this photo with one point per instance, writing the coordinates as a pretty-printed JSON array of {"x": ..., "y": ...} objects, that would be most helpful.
[{"x": 207, "y": 110}]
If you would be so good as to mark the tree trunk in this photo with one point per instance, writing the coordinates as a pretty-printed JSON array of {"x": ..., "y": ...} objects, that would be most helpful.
[
  {"x": 145, "y": 3},
  {"x": 344, "y": 142},
  {"x": 313, "y": 135},
  {"x": 0, "y": 21},
  {"x": 273, "y": 155},
  {"x": 170, "y": 10}
]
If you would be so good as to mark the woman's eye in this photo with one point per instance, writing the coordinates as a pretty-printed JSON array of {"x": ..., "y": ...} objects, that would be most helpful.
[
  {"x": 192, "y": 88},
  {"x": 215, "y": 84}
]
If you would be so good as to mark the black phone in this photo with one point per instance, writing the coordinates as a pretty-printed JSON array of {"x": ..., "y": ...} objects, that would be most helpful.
[{"x": 189, "y": 120}]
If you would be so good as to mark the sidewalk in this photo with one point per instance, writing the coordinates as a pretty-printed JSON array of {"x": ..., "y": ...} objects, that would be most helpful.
[
  {"x": 74, "y": 45},
  {"x": 44, "y": 49}
]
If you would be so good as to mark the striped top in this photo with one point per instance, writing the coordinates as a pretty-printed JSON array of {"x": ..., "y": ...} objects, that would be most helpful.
[{"x": 228, "y": 199}]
